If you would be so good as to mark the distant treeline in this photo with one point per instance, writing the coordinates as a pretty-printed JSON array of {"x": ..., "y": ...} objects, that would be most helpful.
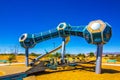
[
  {"x": 31, "y": 54},
  {"x": 57, "y": 54}
]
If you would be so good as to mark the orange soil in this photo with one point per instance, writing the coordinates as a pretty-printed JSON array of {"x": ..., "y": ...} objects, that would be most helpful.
[
  {"x": 84, "y": 73},
  {"x": 13, "y": 69}
]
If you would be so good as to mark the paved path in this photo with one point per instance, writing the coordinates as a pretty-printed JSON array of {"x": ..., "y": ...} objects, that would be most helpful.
[
  {"x": 110, "y": 64},
  {"x": 13, "y": 68},
  {"x": 10, "y": 64}
]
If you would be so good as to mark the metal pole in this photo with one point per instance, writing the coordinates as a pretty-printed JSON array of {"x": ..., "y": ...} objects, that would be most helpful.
[
  {"x": 26, "y": 57},
  {"x": 99, "y": 58},
  {"x": 63, "y": 50}
]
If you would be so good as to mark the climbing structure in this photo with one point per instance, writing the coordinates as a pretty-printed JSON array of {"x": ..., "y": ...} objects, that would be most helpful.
[{"x": 96, "y": 32}]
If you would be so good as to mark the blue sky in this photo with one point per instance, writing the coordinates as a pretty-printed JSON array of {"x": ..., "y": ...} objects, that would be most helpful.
[{"x": 34, "y": 16}]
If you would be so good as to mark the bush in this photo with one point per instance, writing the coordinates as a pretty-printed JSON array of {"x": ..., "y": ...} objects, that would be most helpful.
[
  {"x": 106, "y": 55},
  {"x": 91, "y": 54},
  {"x": 34, "y": 54},
  {"x": 67, "y": 55},
  {"x": 57, "y": 54},
  {"x": 112, "y": 57},
  {"x": 11, "y": 58},
  {"x": 79, "y": 54},
  {"x": 118, "y": 58},
  {"x": 21, "y": 54}
]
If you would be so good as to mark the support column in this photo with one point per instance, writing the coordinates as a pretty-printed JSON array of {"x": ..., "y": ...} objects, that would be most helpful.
[
  {"x": 63, "y": 50},
  {"x": 26, "y": 57},
  {"x": 99, "y": 58}
]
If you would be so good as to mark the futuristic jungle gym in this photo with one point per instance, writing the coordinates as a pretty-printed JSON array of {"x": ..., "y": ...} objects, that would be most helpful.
[{"x": 96, "y": 32}]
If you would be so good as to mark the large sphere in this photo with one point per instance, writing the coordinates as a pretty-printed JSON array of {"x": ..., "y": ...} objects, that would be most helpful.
[{"x": 97, "y": 32}]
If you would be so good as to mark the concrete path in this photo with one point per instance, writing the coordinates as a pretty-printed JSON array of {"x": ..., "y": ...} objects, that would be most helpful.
[
  {"x": 110, "y": 64},
  {"x": 6, "y": 64}
]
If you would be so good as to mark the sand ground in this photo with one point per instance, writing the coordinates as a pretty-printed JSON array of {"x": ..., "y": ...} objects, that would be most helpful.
[
  {"x": 86, "y": 72},
  {"x": 81, "y": 72}
]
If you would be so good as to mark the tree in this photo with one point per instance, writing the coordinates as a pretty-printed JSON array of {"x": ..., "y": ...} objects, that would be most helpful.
[
  {"x": 57, "y": 54},
  {"x": 67, "y": 55},
  {"x": 106, "y": 55},
  {"x": 79, "y": 54},
  {"x": 91, "y": 54},
  {"x": 34, "y": 54},
  {"x": 83, "y": 55}
]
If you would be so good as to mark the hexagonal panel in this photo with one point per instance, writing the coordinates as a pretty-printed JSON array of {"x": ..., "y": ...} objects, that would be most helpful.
[{"x": 96, "y": 26}]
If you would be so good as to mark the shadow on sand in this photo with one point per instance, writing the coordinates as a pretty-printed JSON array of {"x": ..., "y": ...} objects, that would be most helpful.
[
  {"x": 92, "y": 69},
  {"x": 110, "y": 71},
  {"x": 81, "y": 67}
]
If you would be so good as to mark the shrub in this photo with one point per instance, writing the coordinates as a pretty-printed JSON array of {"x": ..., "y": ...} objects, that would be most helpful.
[
  {"x": 67, "y": 55},
  {"x": 34, "y": 54},
  {"x": 11, "y": 58},
  {"x": 118, "y": 58},
  {"x": 57, "y": 54},
  {"x": 91, "y": 54}
]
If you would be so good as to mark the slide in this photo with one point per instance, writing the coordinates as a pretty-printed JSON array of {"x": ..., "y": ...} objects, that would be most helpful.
[{"x": 52, "y": 51}]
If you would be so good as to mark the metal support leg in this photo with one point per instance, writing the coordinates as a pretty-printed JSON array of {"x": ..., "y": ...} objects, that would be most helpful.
[
  {"x": 63, "y": 50},
  {"x": 26, "y": 57},
  {"x": 99, "y": 58}
]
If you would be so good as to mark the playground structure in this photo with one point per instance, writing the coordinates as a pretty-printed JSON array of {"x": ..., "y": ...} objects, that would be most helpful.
[{"x": 96, "y": 32}]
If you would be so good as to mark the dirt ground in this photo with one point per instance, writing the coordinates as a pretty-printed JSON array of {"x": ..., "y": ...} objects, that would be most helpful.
[
  {"x": 81, "y": 72},
  {"x": 5, "y": 70}
]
